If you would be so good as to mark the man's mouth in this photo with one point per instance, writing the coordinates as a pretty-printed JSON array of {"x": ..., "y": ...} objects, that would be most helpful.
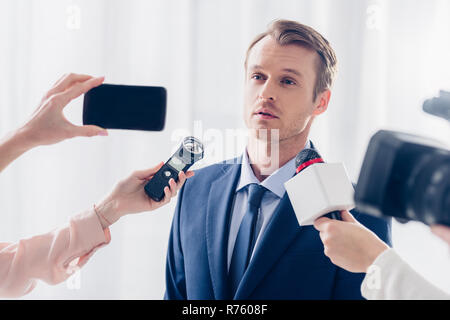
[{"x": 265, "y": 114}]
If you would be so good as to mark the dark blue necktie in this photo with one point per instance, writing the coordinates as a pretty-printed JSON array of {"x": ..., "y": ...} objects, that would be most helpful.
[{"x": 246, "y": 237}]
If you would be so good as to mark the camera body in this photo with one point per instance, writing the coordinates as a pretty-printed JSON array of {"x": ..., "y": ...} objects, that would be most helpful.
[{"x": 407, "y": 177}]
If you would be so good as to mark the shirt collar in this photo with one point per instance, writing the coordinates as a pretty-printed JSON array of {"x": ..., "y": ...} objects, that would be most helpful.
[{"x": 274, "y": 182}]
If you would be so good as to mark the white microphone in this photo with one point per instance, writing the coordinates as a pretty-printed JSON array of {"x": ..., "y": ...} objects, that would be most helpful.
[{"x": 318, "y": 188}]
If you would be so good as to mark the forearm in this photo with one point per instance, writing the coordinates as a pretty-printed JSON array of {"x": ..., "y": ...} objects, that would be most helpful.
[
  {"x": 12, "y": 146},
  {"x": 50, "y": 257}
]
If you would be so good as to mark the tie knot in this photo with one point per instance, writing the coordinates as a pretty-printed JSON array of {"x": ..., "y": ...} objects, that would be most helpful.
[{"x": 255, "y": 194}]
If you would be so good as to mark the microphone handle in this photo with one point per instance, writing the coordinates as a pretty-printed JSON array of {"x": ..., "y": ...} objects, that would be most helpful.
[{"x": 336, "y": 215}]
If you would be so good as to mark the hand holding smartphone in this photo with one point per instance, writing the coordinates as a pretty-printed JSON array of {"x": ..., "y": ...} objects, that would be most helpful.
[{"x": 113, "y": 106}]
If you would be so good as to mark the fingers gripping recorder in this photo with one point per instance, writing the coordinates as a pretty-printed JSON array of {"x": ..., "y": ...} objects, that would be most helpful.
[{"x": 190, "y": 151}]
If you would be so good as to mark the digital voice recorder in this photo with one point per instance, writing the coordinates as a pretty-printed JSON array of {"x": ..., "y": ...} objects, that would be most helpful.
[{"x": 190, "y": 151}]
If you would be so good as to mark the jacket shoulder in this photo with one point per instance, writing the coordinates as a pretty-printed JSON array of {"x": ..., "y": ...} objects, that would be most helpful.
[
  {"x": 213, "y": 171},
  {"x": 204, "y": 177}
]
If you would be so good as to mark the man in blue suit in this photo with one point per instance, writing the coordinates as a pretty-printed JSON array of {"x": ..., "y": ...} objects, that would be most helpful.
[{"x": 234, "y": 233}]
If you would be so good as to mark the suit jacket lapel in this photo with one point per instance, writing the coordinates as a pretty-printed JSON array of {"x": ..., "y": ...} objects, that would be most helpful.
[
  {"x": 281, "y": 231},
  {"x": 217, "y": 227}
]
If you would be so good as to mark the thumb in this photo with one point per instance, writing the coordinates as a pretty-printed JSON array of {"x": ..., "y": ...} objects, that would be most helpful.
[
  {"x": 319, "y": 223},
  {"x": 146, "y": 174},
  {"x": 89, "y": 131},
  {"x": 347, "y": 216}
]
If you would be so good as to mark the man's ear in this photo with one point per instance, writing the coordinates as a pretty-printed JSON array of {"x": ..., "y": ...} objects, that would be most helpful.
[{"x": 321, "y": 103}]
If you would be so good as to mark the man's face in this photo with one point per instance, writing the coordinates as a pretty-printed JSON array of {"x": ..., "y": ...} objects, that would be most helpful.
[{"x": 279, "y": 88}]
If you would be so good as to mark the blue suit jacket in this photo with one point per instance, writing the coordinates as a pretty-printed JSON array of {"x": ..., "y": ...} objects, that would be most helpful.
[{"x": 289, "y": 262}]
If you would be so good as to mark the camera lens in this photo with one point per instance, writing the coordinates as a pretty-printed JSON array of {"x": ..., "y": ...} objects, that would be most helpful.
[
  {"x": 406, "y": 177},
  {"x": 429, "y": 190}
]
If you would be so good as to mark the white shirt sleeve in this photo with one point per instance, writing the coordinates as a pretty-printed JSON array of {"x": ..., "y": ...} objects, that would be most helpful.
[{"x": 391, "y": 278}]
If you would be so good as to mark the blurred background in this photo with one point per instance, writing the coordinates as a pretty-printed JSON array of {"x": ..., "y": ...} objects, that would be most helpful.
[{"x": 393, "y": 54}]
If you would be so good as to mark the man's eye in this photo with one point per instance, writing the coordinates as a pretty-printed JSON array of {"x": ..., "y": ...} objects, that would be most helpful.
[
  {"x": 256, "y": 77},
  {"x": 288, "y": 81}
]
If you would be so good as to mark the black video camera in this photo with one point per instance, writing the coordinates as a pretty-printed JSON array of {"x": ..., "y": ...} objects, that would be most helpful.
[{"x": 407, "y": 176}]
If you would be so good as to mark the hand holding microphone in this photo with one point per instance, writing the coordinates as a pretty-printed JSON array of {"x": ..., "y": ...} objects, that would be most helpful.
[
  {"x": 322, "y": 189},
  {"x": 348, "y": 243}
]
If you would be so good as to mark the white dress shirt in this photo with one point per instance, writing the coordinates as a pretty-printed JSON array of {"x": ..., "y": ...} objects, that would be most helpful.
[{"x": 270, "y": 200}]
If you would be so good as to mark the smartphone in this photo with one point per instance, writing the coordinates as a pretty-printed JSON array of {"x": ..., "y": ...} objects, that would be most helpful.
[{"x": 113, "y": 106}]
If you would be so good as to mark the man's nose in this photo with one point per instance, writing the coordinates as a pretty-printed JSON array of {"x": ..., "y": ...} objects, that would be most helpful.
[{"x": 268, "y": 91}]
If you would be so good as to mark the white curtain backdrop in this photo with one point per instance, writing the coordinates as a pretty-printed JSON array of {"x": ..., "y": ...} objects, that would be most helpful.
[{"x": 393, "y": 54}]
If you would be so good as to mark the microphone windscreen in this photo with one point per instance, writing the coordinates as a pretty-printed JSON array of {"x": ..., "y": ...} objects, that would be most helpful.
[
  {"x": 319, "y": 189},
  {"x": 306, "y": 155}
]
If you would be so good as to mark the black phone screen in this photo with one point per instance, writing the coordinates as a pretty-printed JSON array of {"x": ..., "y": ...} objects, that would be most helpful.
[{"x": 113, "y": 106}]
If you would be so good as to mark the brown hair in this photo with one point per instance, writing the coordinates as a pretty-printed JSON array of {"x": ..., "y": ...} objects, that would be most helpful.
[{"x": 287, "y": 32}]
